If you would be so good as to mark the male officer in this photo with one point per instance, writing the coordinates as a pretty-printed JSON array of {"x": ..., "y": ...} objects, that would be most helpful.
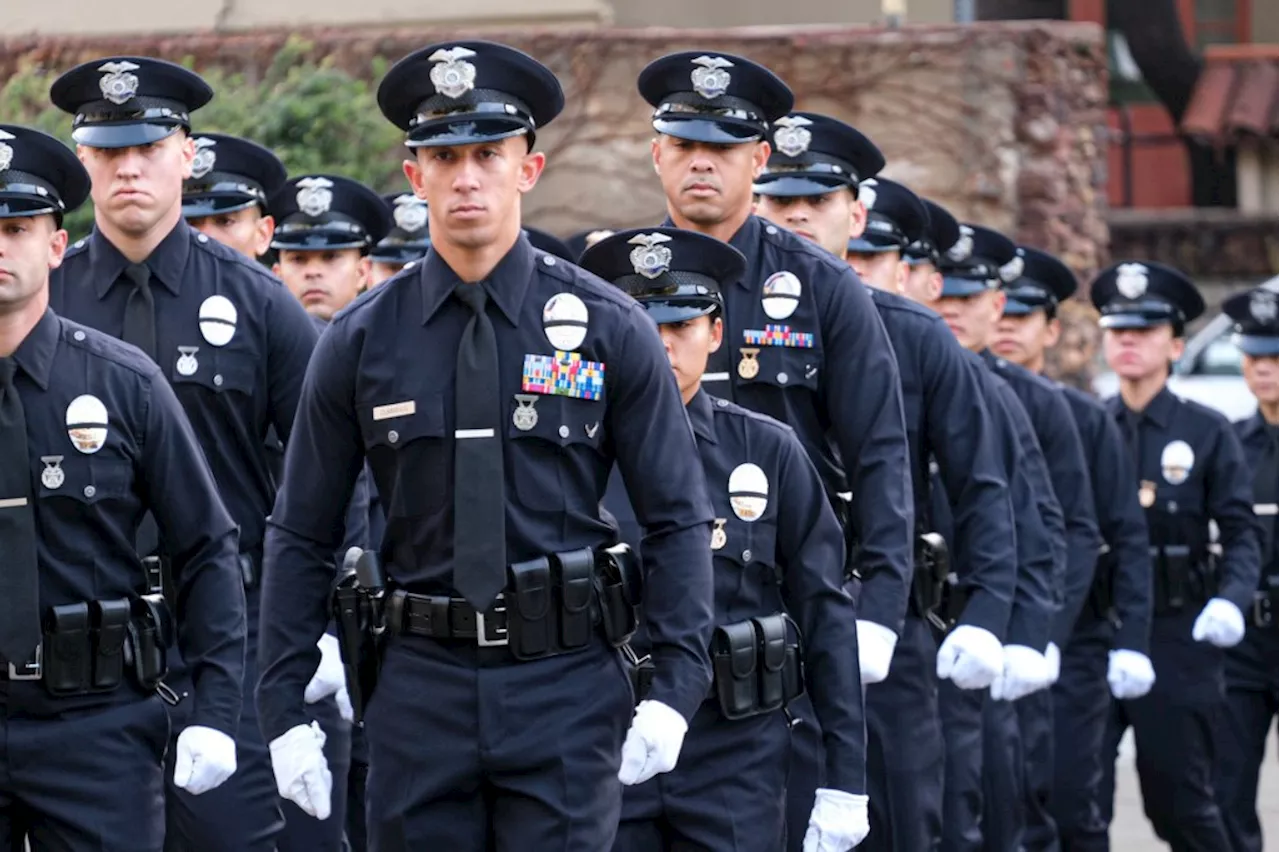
[
  {"x": 91, "y": 436},
  {"x": 778, "y": 548},
  {"x": 1190, "y": 471},
  {"x": 226, "y": 195},
  {"x": 233, "y": 343},
  {"x": 805, "y": 344},
  {"x": 1109, "y": 642},
  {"x": 1251, "y": 666},
  {"x": 492, "y": 473},
  {"x": 809, "y": 185},
  {"x": 405, "y": 243}
]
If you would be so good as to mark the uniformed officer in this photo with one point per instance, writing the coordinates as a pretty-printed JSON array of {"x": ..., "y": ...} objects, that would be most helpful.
[
  {"x": 499, "y": 721},
  {"x": 406, "y": 242},
  {"x": 923, "y": 257},
  {"x": 805, "y": 344},
  {"x": 1251, "y": 666},
  {"x": 779, "y": 552},
  {"x": 1109, "y": 642},
  {"x": 809, "y": 184},
  {"x": 91, "y": 436},
  {"x": 226, "y": 195},
  {"x": 1190, "y": 471},
  {"x": 233, "y": 343}
]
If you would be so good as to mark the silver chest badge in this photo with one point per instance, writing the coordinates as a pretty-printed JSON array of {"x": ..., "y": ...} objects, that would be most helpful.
[
  {"x": 1176, "y": 461},
  {"x": 649, "y": 257},
  {"x": 710, "y": 79},
  {"x": 780, "y": 295},
  {"x": 118, "y": 84},
  {"x": 6, "y": 151},
  {"x": 1131, "y": 280},
  {"x": 205, "y": 157},
  {"x": 87, "y": 423},
  {"x": 525, "y": 416},
  {"x": 453, "y": 77},
  {"x": 748, "y": 492},
  {"x": 867, "y": 193},
  {"x": 217, "y": 320},
  {"x": 410, "y": 213},
  {"x": 52, "y": 476},
  {"x": 792, "y": 136},
  {"x": 315, "y": 195},
  {"x": 963, "y": 249},
  {"x": 564, "y": 319},
  {"x": 187, "y": 364}
]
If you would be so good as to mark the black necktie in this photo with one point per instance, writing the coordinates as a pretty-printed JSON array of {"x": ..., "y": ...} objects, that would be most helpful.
[
  {"x": 479, "y": 498},
  {"x": 19, "y": 575},
  {"x": 140, "y": 310}
]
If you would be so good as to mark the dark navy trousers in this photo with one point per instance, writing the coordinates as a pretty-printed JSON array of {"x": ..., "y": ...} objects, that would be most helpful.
[
  {"x": 1081, "y": 705},
  {"x": 1003, "y": 778},
  {"x": 961, "y": 711},
  {"x": 1251, "y": 669}
]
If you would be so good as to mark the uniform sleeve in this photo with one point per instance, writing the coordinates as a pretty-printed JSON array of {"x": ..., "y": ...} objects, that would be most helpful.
[
  {"x": 1123, "y": 525},
  {"x": 811, "y": 551},
  {"x": 863, "y": 394},
  {"x": 323, "y": 458},
  {"x": 658, "y": 458},
  {"x": 203, "y": 543},
  {"x": 1231, "y": 505},
  {"x": 1069, "y": 474},
  {"x": 291, "y": 338},
  {"x": 962, "y": 439}
]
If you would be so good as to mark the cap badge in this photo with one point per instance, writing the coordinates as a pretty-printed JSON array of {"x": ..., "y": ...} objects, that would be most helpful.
[
  {"x": 205, "y": 157},
  {"x": 117, "y": 84},
  {"x": 1131, "y": 280},
  {"x": 792, "y": 137},
  {"x": 1012, "y": 270},
  {"x": 1263, "y": 305},
  {"x": 453, "y": 77},
  {"x": 963, "y": 248},
  {"x": 867, "y": 193},
  {"x": 649, "y": 257},
  {"x": 410, "y": 213},
  {"x": 710, "y": 79},
  {"x": 315, "y": 195}
]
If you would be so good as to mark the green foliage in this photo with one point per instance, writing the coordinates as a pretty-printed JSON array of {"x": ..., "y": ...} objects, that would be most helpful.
[{"x": 316, "y": 117}]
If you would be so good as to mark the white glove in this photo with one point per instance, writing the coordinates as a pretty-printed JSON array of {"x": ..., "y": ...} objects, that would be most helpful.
[
  {"x": 653, "y": 742},
  {"x": 204, "y": 759},
  {"x": 970, "y": 656},
  {"x": 875, "y": 650},
  {"x": 1053, "y": 657},
  {"x": 330, "y": 676},
  {"x": 837, "y": 823},
  {"x": 1220, "y": 623},
  {"x": 1129, "y": 674},
  {"x": 302, "y": 773},
  {"x": 1025, "y": 671}
]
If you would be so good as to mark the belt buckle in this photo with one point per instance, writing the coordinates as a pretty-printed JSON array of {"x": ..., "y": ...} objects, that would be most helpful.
[
  {"x": 482, "y": 629},
  {"x": 29, "y": 671}
]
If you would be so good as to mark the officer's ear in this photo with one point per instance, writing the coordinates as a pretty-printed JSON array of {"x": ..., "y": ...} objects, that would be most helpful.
[
  {"x": 760, "y": 158},
  {"x": 1177, "y": 346},
  {"x": 935, "y": 285},
  {"x": 188, "y": 145},
  {"x": 365, "y": 269},
  {"x": 900, "y": 274},
  {"x": 413, "y": 173},
  {"x": 1052, "y": 332},
  {"x": 717, "y": 333},
  {"x": 531, "y": 165},
  {"x": 264, "y": 230},
  {"x": 57, "y": 242},
  {"x": 857, "y": 219}
]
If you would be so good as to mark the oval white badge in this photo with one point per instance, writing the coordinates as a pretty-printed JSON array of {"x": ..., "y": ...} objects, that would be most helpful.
[
  {"x": 218, "y": 320},
  {"x": 1176, "y": 461},
  {"x": 564, "y": 319},
  {"x": 87, "y": 423},
  {"x": 780, "y": 295},
  {"x": 748, "y": 492}
]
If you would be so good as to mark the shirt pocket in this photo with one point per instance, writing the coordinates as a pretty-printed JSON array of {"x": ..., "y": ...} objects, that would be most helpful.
[
  {"x": 745, "y": 567},
  {"x": 406, "y": 446},
  {"x": 85, "y": 480},
  {"x": 780, "y": 366},
  {"x": 216, "y": 370},
  {"x": 555, "y": 452}
]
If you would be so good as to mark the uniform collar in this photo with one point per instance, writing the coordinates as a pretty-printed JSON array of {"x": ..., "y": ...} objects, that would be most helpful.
[
  {"x": 35, "y": 354},
  {"x": 702, "y": 416},
  {"x": 506, "y": 284},
  {"x": 1159, "y": 411},
  {"x": 168, "y": 262}
]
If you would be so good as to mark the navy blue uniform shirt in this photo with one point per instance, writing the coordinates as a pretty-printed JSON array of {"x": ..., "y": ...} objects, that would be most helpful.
[
  {"x": 948, "y": 421},
  {"x": 1258, "y": 438},
  {"x": 1120, "y": 519},
  {"x": 1060, "y": 445},
  {"x": 804, "y": 344},
  {"x": 88, "y": 503},
  {"x": 233, "y": 343},
  {"x": 1191, "y": 459},
  {"x": 381, "y": 386}
]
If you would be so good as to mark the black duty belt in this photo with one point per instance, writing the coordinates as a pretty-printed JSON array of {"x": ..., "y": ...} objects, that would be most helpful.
[
  {"x": 440, "y": 617},
  {"x": 1264, "y": 608}
]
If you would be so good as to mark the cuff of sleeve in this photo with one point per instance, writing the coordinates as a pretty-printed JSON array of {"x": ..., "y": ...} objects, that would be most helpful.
[
  {"x": 877, "y": 603},
  {"x": 987, "y": 611},
  {"x": 1133, "y": 636},
  {"x": 1030, "y": 627},
  {"x": 276, "y": 718},
  {"x": 847, "y": 773},
  {"x": 1241, "y": 597}
]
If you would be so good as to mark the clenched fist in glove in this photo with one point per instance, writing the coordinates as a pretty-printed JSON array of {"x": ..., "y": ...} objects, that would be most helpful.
[
  {"x": 302, "y": 773},
  {"x": 971, "y": 657},
  {"x": 875, "y": 650},
  {"x": 838, "y": 822},
  {"x": 1220, "y": 623},
  {"x": 1129, "y": 674},
  {"x": 1025, "y": 671},
  {"x": 653, "y": 742},
  {"x": 203, "y": 760}
]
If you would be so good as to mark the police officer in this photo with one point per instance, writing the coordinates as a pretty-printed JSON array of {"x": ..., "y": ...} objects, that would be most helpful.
[
  {"x": 1108, "y": 644},
  {"x": 804, "y": 343},
  {"x": 499, "y": 721},
  {"x": 981, "y": 736},
  {"x": 226, "y": 195},
  {"x": 809, "y": 185},
  {"x": 778, "y": 552},
  {"x": 91, "y": 436},
  {"x": 1251, "y": 666},
  {"x": 405, "y": 243},
  {"x": 1190, "y": 471},
  {"x": 233, "y": 343}
]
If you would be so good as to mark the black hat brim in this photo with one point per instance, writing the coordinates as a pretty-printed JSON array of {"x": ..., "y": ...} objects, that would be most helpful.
[
  {"x": 1123, "y": 320},
  {"x": 317, "y": 240},
  {"x": 962, "y": 287},
  {"x": 870, "y": 244},
  {"x": 465, "y": 131},
  {"x": 127, "y": 135},
  {"x": 700, "y": 128},
  {"x": 1259, "y": 346},
  {"x": 398, "y": 254},
  {"x": 1015, "y": 308},
  {"x": 799, "y": 185},
  {"x": 665, "y": 312},
  {"x": 198, "y": 207}
]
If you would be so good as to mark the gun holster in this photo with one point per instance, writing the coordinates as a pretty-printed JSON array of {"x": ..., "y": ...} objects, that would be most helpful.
[{"x": 357, "y": 614}]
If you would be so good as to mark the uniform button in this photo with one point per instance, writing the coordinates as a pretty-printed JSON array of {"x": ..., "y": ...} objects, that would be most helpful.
[
  {"x": 203, "y": 238},
  {"x": 771, "y": 230},
  {"x": 217, "y": 380},
  {"x": 79, "y": 243},
  {"x": 549, "y": 260},
  {"x": 722, "y": 402},
  {"x": 393, "y": 436},
  {"x": 783, "y": 378},
  {"x": 746, "y": 556},
  {"x": 89, "y": 491},
  {"x": 564, "y": 431},
  {"x": 79, "y": 335}
]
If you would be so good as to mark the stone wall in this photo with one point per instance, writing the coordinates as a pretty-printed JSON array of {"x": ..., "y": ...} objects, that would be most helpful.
[{"x": 1003, "y": 123}]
